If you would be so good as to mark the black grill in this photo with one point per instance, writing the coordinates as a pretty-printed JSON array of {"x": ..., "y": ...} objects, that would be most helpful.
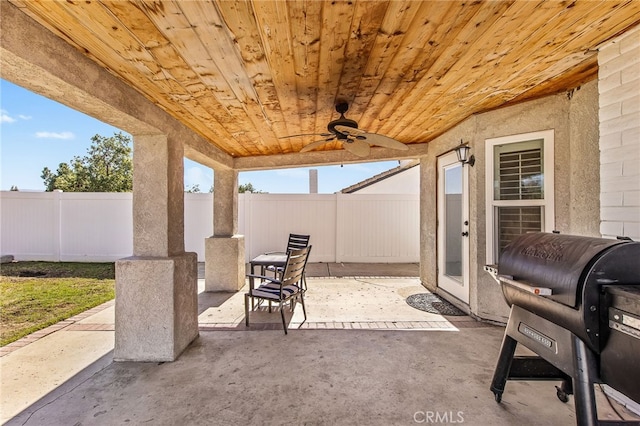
[{"x": 575, "y": 302}]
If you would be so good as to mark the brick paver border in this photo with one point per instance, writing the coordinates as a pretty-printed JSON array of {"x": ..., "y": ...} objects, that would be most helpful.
[
  {"x": 7, "y": 349},
  {"x": 450, "y": 324}
]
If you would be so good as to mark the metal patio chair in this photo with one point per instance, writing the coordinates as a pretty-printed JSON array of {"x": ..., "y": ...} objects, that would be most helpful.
[
  {"x": 283, "y": 288},
  {"x": 295, "y": 242}
]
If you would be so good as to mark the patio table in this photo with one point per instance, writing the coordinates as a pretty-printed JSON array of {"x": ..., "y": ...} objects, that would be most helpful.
[{"x": 278, "y": 259}]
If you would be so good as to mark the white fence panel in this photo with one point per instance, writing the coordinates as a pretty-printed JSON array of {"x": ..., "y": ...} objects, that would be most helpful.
[
  {"x": 95, "y": 227},
  {"x": 270, "y": 218},
  {"x": 30, "y": 225},
  {"x": 378, "y": 228},
  {"x": 98, "y": 226},
  {"x": 198, "y": 221}
]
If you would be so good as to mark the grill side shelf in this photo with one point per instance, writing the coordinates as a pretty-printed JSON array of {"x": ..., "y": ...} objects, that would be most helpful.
[{"x": 493, "y": 271}]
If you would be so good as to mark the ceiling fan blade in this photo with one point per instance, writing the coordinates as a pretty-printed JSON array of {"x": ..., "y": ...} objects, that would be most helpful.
[
  {"x": 373, "y": 138},
  {"x": 348, "y": 130},
  {"x": 316, "y": 144},
  {"x": 385, "y": 141},
  {"x": 307, "y": 134},
  {"x": 357, "y": 147}
]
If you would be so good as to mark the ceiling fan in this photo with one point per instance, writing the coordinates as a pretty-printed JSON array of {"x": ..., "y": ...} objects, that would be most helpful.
[{"x": 354, "y": 140}]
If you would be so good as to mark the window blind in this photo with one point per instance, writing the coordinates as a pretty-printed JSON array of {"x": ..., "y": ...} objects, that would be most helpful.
[
  {"x": 520, "y": 175},
  {"x": 515, "y": 221}
]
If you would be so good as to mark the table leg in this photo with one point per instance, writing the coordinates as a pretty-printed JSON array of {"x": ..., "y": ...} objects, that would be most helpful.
[{"x": 253, "y": 303}]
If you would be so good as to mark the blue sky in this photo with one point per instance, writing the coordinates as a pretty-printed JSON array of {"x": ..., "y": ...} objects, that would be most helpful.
[{"x": 36, "y": 132}]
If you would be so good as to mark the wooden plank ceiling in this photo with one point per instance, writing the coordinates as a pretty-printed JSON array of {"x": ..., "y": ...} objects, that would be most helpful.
[{"x": 245, "y": 74}]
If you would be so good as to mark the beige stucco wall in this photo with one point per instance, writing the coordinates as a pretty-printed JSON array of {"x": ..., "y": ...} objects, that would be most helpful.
[
  {"x": 584, "y": 188},
  {"x": 574, "y": 118}
]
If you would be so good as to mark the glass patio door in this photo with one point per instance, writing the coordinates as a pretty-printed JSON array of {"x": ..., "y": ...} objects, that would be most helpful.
[{"x": 453, "y": 227}]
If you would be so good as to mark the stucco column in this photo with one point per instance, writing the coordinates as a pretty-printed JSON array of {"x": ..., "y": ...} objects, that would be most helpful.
[
  {"x": 428, "y": 218},
  {"x": 156, "y": 288},
  {"x": 224, "y": 251}
]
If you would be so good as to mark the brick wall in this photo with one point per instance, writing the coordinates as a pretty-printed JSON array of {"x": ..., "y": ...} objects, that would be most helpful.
[{"x": 619, "y": 89}]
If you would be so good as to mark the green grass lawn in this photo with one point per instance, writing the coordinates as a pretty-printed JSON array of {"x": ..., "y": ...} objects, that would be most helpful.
[{"x": 34, "y": 295}]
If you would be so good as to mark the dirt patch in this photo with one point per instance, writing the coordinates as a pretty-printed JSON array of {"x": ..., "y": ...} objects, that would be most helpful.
[{"x": 29, "y": 273}]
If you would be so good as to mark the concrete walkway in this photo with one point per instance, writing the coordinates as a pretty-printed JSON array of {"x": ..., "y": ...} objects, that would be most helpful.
[{"x": 363, "y": 357}]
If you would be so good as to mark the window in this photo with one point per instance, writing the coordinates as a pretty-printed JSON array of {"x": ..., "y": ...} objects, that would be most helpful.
[{"x": 519, "y": 178}]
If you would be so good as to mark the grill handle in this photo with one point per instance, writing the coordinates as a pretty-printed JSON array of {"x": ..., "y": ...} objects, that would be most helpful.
[{"x": 525, "y": 286}]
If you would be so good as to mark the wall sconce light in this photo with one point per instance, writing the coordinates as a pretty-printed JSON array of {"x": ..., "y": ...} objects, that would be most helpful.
[{"x": 462, "y": 151}]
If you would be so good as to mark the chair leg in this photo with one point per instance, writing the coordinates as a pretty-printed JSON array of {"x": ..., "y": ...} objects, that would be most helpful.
[
  {"x": 284, "y": 322},
  {"x": 251, "y": 285},
  {"x": 246, "y": 309},
  {"x": 304, "y": 309}
]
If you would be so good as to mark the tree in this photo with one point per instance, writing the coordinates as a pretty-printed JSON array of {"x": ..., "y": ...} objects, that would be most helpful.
[
  {"x": 108, "y": 167},
  {"x": 195, "y": 188},
  {"x": 247, "y": 187}
]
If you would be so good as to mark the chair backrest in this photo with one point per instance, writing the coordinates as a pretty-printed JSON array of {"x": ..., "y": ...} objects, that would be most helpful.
[
  {"x": 294, "y": 268},
  {"x": 297, "y": 241}
]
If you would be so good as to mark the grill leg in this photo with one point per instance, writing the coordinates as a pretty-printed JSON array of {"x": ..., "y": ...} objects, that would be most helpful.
[
  {"x": 564, "y": 390},
  {"x": 584, "y": 364},
  {"x": 501, "y": 373}
]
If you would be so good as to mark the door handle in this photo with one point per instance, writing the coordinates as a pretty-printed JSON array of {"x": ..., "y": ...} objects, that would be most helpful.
[{"x": 465, "y": 234}]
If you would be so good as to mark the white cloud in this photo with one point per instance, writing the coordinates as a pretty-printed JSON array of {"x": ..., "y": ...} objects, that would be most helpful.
[
  {"x": 54, "y": 135},
  {"x": 5, "y": 118}
]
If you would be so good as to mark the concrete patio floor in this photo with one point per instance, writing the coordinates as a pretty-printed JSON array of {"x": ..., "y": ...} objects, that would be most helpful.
[{"x": 364, "y": 356}]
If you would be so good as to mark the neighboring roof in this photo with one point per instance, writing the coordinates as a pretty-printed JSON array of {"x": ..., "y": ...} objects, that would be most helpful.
[{"x": 380, "y": 176}]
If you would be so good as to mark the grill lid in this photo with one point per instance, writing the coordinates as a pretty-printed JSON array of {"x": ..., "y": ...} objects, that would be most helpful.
[{"x": 559, "y": 262}]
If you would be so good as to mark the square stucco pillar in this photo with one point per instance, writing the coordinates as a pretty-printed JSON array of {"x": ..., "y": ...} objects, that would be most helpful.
[
  {"x": 156, "y": 307},
  {"x": 224, "y": 251},
  {"x": 156, "y": 288},
  {"x": 224, "y": 268}
]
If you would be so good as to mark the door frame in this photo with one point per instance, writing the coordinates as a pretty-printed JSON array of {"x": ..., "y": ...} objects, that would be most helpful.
[{"x": 460, "y": 290}]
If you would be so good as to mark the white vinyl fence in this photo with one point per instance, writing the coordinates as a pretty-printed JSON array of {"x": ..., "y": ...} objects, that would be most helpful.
[{"x": 97, "y": 227}]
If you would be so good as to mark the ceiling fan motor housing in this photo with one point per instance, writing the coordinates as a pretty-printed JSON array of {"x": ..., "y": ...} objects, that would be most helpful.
[
  {"x": 341, "y": 108},
  {"x": 341, "y": 122}
]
